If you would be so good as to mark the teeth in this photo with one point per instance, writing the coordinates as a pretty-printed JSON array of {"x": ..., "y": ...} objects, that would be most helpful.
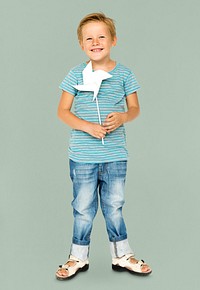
[{"x": 96, "y": 50}]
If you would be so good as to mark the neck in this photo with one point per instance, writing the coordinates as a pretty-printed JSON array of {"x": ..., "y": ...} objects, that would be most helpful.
[{"x": 106, "y": 65}]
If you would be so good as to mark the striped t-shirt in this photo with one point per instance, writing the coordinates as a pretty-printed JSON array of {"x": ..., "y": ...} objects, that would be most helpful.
[{"x": 111, "y": 97}]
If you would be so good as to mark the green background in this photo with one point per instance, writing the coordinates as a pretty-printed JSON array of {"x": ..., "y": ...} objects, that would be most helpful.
[{"x": 159, "y": 41}]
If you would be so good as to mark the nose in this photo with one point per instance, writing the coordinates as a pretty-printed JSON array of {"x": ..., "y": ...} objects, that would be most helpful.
[{"x": 95, "y": 41}]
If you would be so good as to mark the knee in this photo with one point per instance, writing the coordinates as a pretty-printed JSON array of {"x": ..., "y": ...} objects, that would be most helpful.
[
  {"x": 84, "y": 210},
  {"x": 112, "y": 208}
]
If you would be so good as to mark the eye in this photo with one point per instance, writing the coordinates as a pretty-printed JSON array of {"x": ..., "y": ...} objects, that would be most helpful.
[
  {"x": 89, "y": 38},
  {"x": 101, "y": 36}
]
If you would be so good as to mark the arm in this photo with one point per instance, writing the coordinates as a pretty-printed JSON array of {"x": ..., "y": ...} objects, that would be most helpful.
[
  {"x": 65, "y": 114},
  {"x": 116, "y": 119}
]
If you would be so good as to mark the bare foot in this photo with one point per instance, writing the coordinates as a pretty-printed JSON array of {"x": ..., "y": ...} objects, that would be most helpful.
[
  {"x": 63, "y": 272},
  {"x": 144, "y": 267}
]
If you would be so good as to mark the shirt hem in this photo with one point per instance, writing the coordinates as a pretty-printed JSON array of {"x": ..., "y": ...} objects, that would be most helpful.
[{"x": 97, "y": 161}]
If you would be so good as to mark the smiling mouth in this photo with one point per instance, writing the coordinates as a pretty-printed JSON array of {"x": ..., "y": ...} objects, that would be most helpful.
[{"x": 96, "y": 49}]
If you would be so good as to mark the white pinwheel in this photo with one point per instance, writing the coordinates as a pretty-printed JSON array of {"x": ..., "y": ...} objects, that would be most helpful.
[{"x": 91, "y": 83}]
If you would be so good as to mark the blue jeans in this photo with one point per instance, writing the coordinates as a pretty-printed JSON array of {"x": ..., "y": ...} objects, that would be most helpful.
[{"x": 93, "y": 181}]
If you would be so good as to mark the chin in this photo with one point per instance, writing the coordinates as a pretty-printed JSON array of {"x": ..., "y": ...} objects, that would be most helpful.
[{"x": 96, "y": 58}]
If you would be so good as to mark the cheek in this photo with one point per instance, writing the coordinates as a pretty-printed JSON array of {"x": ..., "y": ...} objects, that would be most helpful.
[{"x": 85, "y": 47}]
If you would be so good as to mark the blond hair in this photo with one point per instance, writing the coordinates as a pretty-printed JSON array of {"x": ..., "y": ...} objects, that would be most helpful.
[{"x": 96, "y": 17}]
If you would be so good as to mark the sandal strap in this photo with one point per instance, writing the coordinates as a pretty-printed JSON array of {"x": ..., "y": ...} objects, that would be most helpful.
[
  {"x": 128, "y": 256},
  {"x": 72, "y": 259},
  {"x": 76, "y": 266},
  {"x": 125, "y": 263}
]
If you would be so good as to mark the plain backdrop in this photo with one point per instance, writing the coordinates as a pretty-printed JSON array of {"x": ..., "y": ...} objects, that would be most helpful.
[{"x": 159, "y": 41}]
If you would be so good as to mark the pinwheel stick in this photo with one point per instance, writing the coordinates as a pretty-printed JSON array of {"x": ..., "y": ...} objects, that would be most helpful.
[{"x": 99, "y": 116}]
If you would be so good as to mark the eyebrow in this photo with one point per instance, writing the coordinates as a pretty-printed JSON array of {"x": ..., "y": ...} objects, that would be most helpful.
[{"x": 90, "y": 36}]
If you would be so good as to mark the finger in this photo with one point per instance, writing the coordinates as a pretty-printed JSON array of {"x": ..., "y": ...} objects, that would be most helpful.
[
  {"x": 111, "y": 126},
  {"x": 103, "y": 131},
  {"x": 110, "y": 129},
  {"x": 109, "y": 123},
  {"x": 110, "y": 115},
  {"x": 100, "y": 136}
]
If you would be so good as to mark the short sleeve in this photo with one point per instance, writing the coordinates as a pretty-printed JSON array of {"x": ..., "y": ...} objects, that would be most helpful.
[
  {"x": 68, "y": 83},
  {"x": 130, "y": 84}
]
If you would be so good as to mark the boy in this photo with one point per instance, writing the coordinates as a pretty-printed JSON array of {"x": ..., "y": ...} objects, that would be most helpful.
[{"x": 97, "y": 151}]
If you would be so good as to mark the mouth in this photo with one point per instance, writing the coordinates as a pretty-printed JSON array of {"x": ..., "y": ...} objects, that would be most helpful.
[{"x": 96, "y": 49}]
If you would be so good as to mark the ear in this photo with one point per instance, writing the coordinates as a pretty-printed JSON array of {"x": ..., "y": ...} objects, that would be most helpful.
[
  {"x": 81, "y": 45},
  {"x": 114, "y": 41}
]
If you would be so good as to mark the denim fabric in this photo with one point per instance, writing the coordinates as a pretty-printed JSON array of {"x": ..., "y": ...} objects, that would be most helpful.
[
  {"x": 92, "y": 181},
  {"x": 80, "y": 252},
  {"x": 117, "y": 250}
]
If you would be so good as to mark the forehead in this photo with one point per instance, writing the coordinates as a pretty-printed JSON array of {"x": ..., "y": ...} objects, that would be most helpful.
[{"x": 95, "y": 27}]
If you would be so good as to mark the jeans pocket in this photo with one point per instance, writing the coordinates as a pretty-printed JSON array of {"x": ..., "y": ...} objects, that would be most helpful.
[{"x": 118, "y": 169}]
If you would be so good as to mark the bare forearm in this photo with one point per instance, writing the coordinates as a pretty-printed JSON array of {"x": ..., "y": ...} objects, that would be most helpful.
[
  {"x": 71, "y": 120},
  {"x": 131, "y": 114},
  {"x": 76, "y": 123}
]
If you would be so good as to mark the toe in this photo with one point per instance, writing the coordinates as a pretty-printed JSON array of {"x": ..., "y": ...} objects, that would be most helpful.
[
  {"x": 145, "y": 268},
  {"x": 62, "y": 273}
]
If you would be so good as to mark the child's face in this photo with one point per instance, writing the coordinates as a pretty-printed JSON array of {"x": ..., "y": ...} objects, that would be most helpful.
[{"x": 97, "y": 41}]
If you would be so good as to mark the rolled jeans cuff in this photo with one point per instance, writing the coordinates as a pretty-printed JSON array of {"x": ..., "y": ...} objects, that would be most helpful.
[
  {"x": 120, "y": 248},
  {"x": 79, "y": 251}
]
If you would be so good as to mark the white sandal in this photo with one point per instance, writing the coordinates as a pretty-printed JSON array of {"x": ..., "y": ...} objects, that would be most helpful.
[
  {"x": 72, "y": 267},
  {"x": 124, "y": 264}
]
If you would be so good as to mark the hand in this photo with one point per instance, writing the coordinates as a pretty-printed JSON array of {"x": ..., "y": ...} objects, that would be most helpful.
[
  {"x": 96, "y": 130},
  {"x": 113, "y": 121}
]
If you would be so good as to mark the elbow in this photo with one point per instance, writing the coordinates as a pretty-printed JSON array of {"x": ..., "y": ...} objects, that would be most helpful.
[
  {"x": 59, "y": 113},
  {"x": 135, "y": 112},
  {"x": 138, "y": 111}
]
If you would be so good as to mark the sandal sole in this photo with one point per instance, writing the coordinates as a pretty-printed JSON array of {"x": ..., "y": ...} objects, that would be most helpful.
[
  {"x": 123, "y": 269},
  {"x": 85, "y": 268}
]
